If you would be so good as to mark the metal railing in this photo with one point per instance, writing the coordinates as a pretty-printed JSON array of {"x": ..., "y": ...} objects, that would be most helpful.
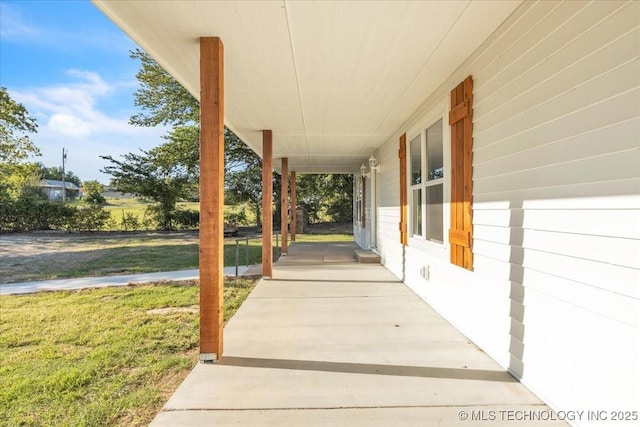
[{"x": 276, "y": 249}]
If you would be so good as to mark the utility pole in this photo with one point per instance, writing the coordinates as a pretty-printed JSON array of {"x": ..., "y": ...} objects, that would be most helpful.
[{"x": 64, "y": 186}]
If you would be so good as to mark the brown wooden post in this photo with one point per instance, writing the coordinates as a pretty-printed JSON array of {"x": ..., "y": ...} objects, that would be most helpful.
[
  {"x": 294, "y": 203},
  {"x": 267, "y": 203},
  {"x": 211, "y": 197},
  {"x": 284, "y": 205}
]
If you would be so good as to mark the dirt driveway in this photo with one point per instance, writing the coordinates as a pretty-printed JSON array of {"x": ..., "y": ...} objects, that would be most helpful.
[{"x": 50, "y": 255}]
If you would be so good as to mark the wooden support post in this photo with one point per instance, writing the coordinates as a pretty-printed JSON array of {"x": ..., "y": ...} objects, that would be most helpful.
[
  {"x": 294, "y": 206},
  {"x": 284, "y": 205},
  {"x": 267, "y": 203},
  {"x": 211, "y": 197}
]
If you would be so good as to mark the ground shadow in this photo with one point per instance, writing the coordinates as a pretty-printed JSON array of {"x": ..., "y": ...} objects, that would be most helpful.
[
  {"x": 393, "y": 282},
  {"x": 369, "y": 369}
]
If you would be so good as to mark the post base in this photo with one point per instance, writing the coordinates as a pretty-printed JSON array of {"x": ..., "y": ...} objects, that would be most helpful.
[{"x": 208, "y": 357}]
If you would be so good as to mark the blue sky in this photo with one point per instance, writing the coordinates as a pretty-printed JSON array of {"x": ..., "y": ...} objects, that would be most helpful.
[{"x": 69, "y": 65}]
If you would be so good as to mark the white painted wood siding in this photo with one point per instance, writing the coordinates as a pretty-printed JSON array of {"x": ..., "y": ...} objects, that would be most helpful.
[
  {"x": 389, "y": 248},
  {"x": 555, "y": 295}
]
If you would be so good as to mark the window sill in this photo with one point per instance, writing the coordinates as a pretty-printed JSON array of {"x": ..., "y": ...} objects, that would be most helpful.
[{"x": 428, "y": 246}]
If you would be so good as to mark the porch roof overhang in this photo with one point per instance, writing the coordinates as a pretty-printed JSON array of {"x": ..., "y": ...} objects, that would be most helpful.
[{"x": 333, "y": 80}]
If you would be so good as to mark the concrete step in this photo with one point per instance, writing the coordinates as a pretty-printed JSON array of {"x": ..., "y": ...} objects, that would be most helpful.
[{"x": 367, "y": 257}]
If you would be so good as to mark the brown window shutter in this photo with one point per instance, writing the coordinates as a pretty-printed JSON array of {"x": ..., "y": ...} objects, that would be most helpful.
[
  {"x": 364, "y": 202},
  {"x": 402, "y": 154},
  {"x": 461, "y": 121}
]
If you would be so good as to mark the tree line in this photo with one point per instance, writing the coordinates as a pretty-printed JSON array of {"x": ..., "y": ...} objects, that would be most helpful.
[{"x": 168, "y": 173}]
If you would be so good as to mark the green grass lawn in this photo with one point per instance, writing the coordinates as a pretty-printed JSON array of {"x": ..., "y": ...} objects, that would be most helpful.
[
  {"x": 119, "y": 208},
  {"x": 306, "y": 238},
  {"x": 99, "y": 357},
  {"x": 253, "y": 249}
]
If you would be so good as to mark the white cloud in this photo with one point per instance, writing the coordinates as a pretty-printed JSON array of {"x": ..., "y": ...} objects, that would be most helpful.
[
  {"x": 13, "y": 25},
  {"x": 94, "y": 83},
  {"x": 71, "y": 109},
  {"x": 69, "y": 125},
  {"x": 76, "y": 116}
]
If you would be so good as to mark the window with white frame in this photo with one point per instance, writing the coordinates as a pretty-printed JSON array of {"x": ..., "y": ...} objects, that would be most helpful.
[{"x": 426, "y": 157}]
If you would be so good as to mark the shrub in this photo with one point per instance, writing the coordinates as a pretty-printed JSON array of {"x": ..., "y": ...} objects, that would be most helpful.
[
  {"x": 91, "y": 218},
  {"x": 95, "y": 199},
  {"x": 111, "y": 224},
  {"x": 186, "y": 219},
  {"x": 55, "y": 216},
  {"x": 154, "y": 215},
  {"x": 130, "y": 221},
  {"x": 341, "y": 210},
  {"x": 148, "y": 220},
  {"x": 27, "y": 214},
  {"x": 238, "y": 217}
]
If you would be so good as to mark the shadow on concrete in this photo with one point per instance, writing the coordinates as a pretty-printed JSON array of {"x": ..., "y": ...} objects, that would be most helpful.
[
  {"x": 368, "y": 369},
  {"x": 336, "y": 281}
]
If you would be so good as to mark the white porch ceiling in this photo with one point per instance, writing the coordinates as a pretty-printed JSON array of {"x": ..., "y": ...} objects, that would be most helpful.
[{"x": 333, "y": 80}]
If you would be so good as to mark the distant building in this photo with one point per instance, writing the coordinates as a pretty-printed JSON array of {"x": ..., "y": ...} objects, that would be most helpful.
[
  {"x": 53, "y": 189},
  {"x": 111, "y": 193}
]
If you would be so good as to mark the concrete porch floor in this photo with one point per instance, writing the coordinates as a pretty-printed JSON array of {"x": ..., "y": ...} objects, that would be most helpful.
[{"x": 332, "y": 342}]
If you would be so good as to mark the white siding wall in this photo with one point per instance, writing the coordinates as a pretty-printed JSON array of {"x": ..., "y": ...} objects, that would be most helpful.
[
  {"x": 555, "y": 295},
  {"x": 389, "y": 247}
]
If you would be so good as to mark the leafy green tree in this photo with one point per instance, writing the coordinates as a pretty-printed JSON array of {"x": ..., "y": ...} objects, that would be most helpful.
[
  {"x": 154, "y": 175},
  {"x": 15, "y": 124},
  {"x": 161, "y": 98},
  {"x": 339, "y": 197},
  {"x": 243, "y": 175},
  {"x": 181, "y": 151},
  {"x": 310, "y": 189},
  {"x": 164, "y": 101},
  {"x": 326, "y": 194},
  {"x": 16, "y": 147},
  {"x": 93, "y": 192},
  {"x": 55, "y": 172},
  {"x": 93, "y": 187},
  {"x": 20, "y": 180}
]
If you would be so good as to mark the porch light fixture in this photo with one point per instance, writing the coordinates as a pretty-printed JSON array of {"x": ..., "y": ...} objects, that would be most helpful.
[
  {"x": 373, "y": 164},
  {"x": 363, "y": 171}
]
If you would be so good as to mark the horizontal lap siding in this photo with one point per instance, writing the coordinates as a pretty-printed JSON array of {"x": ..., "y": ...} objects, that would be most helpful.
[
  {"x": 556, "y": 200},
  {"x": 391, "y": 251},
  {"x": 388, "y": 194}
]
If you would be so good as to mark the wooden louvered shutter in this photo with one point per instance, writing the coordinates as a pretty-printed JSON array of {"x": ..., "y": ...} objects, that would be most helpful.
[
  {"x": 461, "y": 121},
  {"x": 402, "y": 154}
]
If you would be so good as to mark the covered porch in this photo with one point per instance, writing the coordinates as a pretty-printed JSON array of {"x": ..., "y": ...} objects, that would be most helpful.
[
  {"x": 311, "y": 87},
  {"x": 503, "y": 191},
  {"x": 329, "y": 341}
]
